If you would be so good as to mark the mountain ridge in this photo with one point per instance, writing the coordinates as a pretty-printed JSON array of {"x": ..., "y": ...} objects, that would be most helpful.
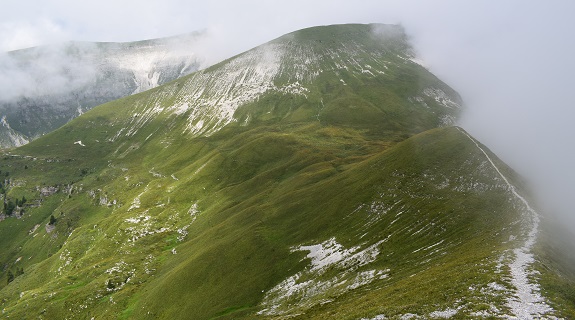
[{"x": 343, "y": 197}]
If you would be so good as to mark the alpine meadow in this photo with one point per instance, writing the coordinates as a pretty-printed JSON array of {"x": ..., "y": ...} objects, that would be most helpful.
[{"x": 317, "y": 176}]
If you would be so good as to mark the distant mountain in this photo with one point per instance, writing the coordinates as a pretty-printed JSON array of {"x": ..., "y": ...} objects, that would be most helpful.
[
  {"x": 317, "y": 176},
  {"x": 45, "y": 87}
]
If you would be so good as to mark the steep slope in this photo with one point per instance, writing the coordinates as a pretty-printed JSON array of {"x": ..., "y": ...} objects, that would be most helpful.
[
  {"x": 9, "y": 137},
  {"x": 310, "y": 177},
  {"x": 45, "y": 87}
]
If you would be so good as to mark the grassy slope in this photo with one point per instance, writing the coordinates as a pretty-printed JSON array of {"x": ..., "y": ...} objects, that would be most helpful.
[
  {"x": 256, "y": 202},
  {"x": 233, "y": 205},
  {"x": 250, "y": 220},
  {"x": 311, "y": 212}
]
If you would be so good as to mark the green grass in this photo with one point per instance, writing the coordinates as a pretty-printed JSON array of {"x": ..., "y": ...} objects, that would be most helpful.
[
  {"x": 239, "y": 244},
  {"x": 161, "y": 224}
]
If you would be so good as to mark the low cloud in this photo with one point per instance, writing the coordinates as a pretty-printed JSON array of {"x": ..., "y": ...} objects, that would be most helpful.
[
  {"x": 49, "y": 70},
  {"x": 21, "y": 34}
]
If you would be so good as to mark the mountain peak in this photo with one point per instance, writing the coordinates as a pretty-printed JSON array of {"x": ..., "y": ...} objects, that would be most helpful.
[{"x": 320, "y": 68}]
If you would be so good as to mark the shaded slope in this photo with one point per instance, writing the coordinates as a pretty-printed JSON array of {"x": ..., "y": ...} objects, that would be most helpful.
[{"x": 402, "y": 213}]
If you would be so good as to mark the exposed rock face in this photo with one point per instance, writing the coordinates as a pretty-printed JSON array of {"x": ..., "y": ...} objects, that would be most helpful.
[
  {"x": 48, "y": 191},
  {"x": 64, "y": 81}
]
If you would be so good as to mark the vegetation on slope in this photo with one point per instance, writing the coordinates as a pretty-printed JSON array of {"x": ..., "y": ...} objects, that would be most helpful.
[{"x": 332, "y": 193}]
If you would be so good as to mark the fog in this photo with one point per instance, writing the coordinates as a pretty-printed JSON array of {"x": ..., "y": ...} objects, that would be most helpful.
[
  {"x": 49, "y": 71},
  {"x": 511, "y": 61},
  {"x": 62, "y": 68}
]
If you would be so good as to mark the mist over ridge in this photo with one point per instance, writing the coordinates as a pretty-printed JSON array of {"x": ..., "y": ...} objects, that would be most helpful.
[{"x": 45, "y": 87}]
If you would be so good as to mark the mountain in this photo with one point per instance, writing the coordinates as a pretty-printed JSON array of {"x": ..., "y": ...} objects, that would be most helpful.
[
  {"x": 45, "y": 87},
  {"x": 317, "y": 176}
]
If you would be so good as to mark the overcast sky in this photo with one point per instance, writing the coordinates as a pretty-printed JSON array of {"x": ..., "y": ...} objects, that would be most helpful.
[{"x": 513, "y": 62}]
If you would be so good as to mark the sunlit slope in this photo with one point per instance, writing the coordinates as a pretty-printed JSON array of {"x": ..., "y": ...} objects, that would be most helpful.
[{"x": 307, "y": 177}]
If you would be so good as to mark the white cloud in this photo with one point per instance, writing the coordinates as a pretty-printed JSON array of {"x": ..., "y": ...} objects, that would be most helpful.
[{"x": 23, "y": 34}]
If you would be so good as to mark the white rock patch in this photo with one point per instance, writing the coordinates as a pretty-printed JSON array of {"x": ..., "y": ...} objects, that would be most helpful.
[
  {"x": 444, "y": 314},
  {"x": 311, "y": 287},
  {"x": 378, "y": 317},
  {"x": 441, "y": 97},
  {"x": 16, "y": 138}
]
